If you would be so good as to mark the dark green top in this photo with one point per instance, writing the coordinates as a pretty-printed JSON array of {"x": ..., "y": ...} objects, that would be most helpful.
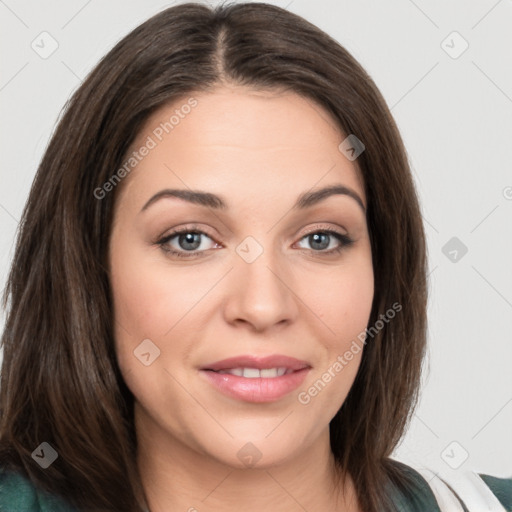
[{"x": 18, "y": 494}]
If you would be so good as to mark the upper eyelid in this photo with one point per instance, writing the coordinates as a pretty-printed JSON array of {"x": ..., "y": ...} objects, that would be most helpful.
[
  {"x": 180, "y": 231},
  {"x": 317, "y": 227},
  {"x": 195, "y": 229}
]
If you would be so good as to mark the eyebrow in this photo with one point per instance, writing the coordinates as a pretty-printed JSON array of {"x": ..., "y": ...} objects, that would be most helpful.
[{"x": 305, "y": 200}]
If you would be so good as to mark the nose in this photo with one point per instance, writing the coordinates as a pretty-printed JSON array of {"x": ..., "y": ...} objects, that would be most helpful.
[{"x": 261, "y": 294}]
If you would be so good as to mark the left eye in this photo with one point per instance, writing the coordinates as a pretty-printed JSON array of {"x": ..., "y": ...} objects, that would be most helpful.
[{"x": 325, "y": 240}]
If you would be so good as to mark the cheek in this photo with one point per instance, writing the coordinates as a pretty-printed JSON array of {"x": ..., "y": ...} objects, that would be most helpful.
[
  {"x": 151, "y": 297},
  {"x": 343, "y": 299},
  {"x": 157, "y": 301},
  {"x": 142, "y": 309},
  {"x": 344, "y": 305},
  {"x": 148, "y": 303}
]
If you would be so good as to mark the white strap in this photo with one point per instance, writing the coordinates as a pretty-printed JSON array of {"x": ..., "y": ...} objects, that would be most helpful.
[
  {"x": 468, "y": 485},
  {"x": 473, "y": 491},
  {"x": 446, "y": 500}
]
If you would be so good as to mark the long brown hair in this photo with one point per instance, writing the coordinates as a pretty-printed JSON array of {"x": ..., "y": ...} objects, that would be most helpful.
[{"x": 60, "y": 382}]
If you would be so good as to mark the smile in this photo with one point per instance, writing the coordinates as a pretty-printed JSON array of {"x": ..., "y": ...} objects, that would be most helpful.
[{"x": 256, "y": 379}]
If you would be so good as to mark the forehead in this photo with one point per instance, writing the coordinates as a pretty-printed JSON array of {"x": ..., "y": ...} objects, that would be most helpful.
[
  {"x": 244, "y": 139},
  {"x": 227, "y": 114}
]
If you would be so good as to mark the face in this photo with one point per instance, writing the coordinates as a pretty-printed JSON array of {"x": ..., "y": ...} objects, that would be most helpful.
[{"x": 235, "y": 309}]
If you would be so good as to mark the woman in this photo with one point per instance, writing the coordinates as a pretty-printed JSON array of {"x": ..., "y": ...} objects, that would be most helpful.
[{"x": 218, "y": 296}]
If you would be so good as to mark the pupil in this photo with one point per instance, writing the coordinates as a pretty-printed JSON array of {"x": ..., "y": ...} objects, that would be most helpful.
[
  {"x": 315, "y": 240},
  {"x": 190, "y": 241}
]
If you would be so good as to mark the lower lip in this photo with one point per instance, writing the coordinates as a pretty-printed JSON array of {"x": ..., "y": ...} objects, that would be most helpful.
[{"x": 256, "y": 390}]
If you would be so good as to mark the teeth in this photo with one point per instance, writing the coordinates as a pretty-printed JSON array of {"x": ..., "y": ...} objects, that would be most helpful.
[{"x": 254, "y": 373}]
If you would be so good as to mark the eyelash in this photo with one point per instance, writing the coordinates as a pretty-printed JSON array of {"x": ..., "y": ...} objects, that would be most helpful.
[{"x": 345, "y": 242}]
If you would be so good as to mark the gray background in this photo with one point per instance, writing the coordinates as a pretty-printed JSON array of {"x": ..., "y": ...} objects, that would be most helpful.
[{"x": 455, "y": 115}]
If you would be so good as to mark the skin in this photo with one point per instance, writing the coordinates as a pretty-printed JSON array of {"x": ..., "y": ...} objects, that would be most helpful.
[{"x": 259, "y": 150}]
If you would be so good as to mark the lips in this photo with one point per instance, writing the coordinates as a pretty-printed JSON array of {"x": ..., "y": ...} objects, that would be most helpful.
[{"x": 256, "y": 379}]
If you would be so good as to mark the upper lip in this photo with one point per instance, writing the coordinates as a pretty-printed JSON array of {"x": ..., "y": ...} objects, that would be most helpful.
[{"x": 248, "y": 361}]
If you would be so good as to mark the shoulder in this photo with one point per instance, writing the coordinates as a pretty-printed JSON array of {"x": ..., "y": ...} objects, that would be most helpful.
[
  {"x": 458, "y": 491},
  {"x": 17, "y": 493}
]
